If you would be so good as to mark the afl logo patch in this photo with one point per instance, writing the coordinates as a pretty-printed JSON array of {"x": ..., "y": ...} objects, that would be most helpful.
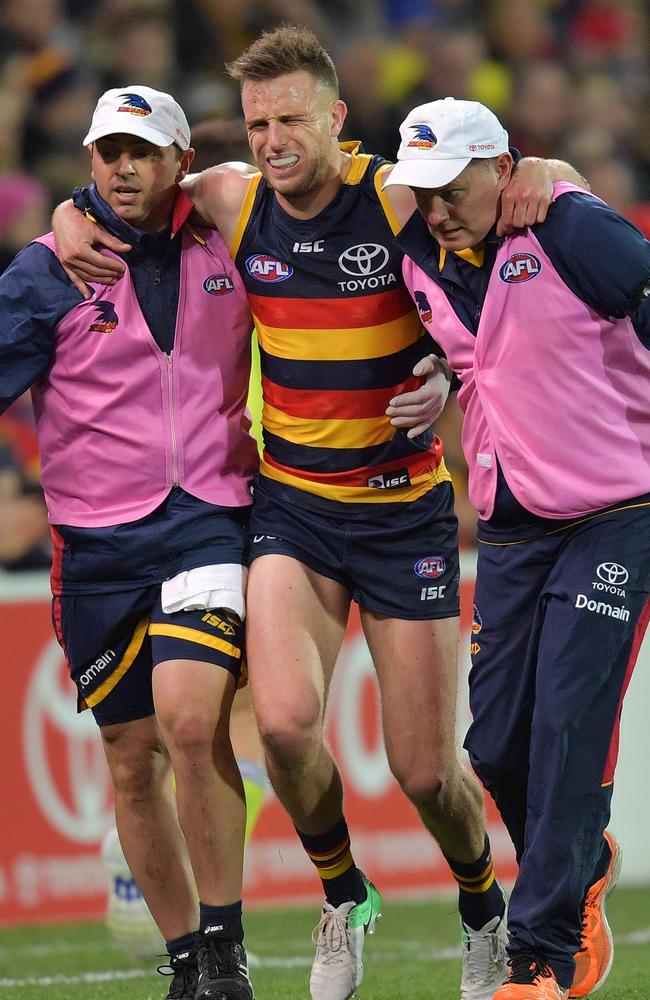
[
  {"x": 431, "y": 567},
  {"x": 218, "y": 284},
  {"x": 266, "y": 268},
  {"x": 520, "y": 267}
]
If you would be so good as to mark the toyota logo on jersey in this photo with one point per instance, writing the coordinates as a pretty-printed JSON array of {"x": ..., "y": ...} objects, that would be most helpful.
[
  {"x": 266, "y": 268},
  {"x": 520, "y": 267},
  {"x": 364, "y": 259}
]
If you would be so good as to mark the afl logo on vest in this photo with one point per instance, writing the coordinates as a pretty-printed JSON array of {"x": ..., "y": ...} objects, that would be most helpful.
[
  {"x": 218, "y": 284},
  {"x": 266, "y": 268},
  {"x": 520, "y": 267}
]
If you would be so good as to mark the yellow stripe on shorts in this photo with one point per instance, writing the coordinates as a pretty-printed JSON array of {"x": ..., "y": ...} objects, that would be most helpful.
[{"x": 193, "y": 635}]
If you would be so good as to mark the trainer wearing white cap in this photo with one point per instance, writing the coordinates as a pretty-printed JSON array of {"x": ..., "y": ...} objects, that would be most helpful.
[
  {"x": 441, "y": 138},
  {"x": 440, "y": 143},
  {"x": 146, "y": 466},
  {"x": 547, "y": 330},
  {"x": 142, "y": 111}
]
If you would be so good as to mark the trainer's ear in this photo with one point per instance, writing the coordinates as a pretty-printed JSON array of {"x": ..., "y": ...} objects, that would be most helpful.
[
  {"x": 184, "y": 164},
  {"x": 503, "y": 165}
]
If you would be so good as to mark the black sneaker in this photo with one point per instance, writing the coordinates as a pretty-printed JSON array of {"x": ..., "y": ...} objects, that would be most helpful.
[
  {"x": 223, "y": 971},
  {"x": 185, "y": 971}
]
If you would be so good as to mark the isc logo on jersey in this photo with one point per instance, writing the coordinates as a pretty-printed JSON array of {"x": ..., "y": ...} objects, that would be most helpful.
[
  {"x": 218, "y": 284},
  {"x": 520, "y": 267},
  {"x": 266, "y": 268},
  {"x": 431, "y": 567}
]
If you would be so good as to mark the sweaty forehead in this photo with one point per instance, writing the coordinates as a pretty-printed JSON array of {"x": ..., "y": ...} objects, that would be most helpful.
[{"x": 287, "y": 94}]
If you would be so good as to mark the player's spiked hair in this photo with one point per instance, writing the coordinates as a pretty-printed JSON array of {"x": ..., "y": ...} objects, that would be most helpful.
[{"x": 285, "y": 50}]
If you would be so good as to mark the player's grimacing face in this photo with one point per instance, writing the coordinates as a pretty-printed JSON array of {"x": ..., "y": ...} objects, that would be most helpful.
[
  {"x": 462, "y": 213},
  {"x": 291, "y": 122},
  {"x": 137, "y": 178}
]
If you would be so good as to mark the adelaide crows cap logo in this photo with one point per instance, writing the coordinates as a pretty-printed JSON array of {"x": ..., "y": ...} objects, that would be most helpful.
[
  {"x": 439, "y": 139},
  {"x": 135, "y": 104},
  {"x": 423, "y": 137},
  {"x": 150, "y": 114}
]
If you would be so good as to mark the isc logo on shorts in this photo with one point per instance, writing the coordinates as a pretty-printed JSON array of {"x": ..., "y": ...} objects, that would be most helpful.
[
  {"x": 520, "y": 267},
  {"x": 216, "y": 622},
  {"x": 390, "y": 480}
]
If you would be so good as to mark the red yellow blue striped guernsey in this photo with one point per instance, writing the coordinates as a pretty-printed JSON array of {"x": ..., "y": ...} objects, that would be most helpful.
[{"x": 338, "y": 336}]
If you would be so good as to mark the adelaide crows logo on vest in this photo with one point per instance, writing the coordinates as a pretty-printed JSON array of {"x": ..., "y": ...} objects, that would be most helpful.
[
  {"x": 424, "y": 137},
  {"x": 520, "y": 267},
  {"x": 424, "y": 308},
  {"x": 266, "y": 268},
  {"x": 106, "y": 320},
  {"x": 134, "y": 104},
  {"x": 218, "y": 284}
]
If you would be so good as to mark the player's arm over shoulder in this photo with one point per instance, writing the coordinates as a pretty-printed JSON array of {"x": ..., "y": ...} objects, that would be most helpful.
[
  {"x": 400, "y": 198},
  {"x": 218, "y": 194}
]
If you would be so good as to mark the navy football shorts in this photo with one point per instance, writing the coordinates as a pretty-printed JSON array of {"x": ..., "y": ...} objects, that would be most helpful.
[
  {"x": 107, "y": 612},
  {"x": 398, "y": 560}
]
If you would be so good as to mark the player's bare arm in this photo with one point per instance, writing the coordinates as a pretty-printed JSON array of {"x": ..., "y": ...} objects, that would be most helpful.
[
  {"x": 77, "y": 236},
  {"x": 526, "y": 199},
  {"x": 218, "y": 195}
]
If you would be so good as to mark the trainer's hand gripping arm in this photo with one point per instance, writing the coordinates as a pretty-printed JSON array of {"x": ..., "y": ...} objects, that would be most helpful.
[
  {"x": 76, "y": 236},
  {"x": 419, "y": 409}
]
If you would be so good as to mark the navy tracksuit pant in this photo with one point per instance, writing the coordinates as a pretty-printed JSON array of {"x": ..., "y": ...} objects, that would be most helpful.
[{"x": 558, "y": 622}]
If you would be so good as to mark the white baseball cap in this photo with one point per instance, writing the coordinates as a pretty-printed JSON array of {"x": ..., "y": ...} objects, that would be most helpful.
[
  {"x": 439, "y": 139},
  {"x": 142, "y": 111}
]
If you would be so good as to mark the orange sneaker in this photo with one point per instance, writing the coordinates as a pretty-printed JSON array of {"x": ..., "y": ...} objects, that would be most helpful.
[
  {"x": 594, "y": 960},
  {"x": 530, "y": 979}
]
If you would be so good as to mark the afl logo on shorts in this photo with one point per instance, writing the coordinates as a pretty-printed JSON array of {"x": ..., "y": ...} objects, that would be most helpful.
[
  {"x": 431, "y": 567},
  {"x": 218, "y": 284},
  {"x": 266, "y": 268},
  {"x": 520, "y": 267}
]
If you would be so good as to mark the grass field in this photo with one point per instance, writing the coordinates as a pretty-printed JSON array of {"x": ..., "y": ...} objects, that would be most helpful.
[{"x": 413, "y": 956}]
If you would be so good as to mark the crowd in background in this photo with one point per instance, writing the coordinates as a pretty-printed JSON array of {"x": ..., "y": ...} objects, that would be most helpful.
[{"x": 569, "y": 79}]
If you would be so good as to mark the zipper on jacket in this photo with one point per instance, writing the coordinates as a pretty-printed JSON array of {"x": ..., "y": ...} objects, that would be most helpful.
[{"x": 172, "y": 421}]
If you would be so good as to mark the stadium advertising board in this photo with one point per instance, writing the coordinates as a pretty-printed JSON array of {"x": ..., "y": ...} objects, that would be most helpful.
[{"x": 58, "y": 805}]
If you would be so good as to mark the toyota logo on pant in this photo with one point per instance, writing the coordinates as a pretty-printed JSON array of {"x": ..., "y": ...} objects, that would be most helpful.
[
  {"x": 612, "y": 573},
  {"x": 363, "y": 259}
]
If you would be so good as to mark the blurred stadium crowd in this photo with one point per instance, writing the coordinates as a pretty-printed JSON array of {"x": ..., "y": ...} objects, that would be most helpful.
[{"x": 569, "y": 78}]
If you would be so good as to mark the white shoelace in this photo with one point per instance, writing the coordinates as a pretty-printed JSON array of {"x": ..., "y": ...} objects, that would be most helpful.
[
  {"x": 331, "y": 937},
  {"x": 482, "y": 959}
]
